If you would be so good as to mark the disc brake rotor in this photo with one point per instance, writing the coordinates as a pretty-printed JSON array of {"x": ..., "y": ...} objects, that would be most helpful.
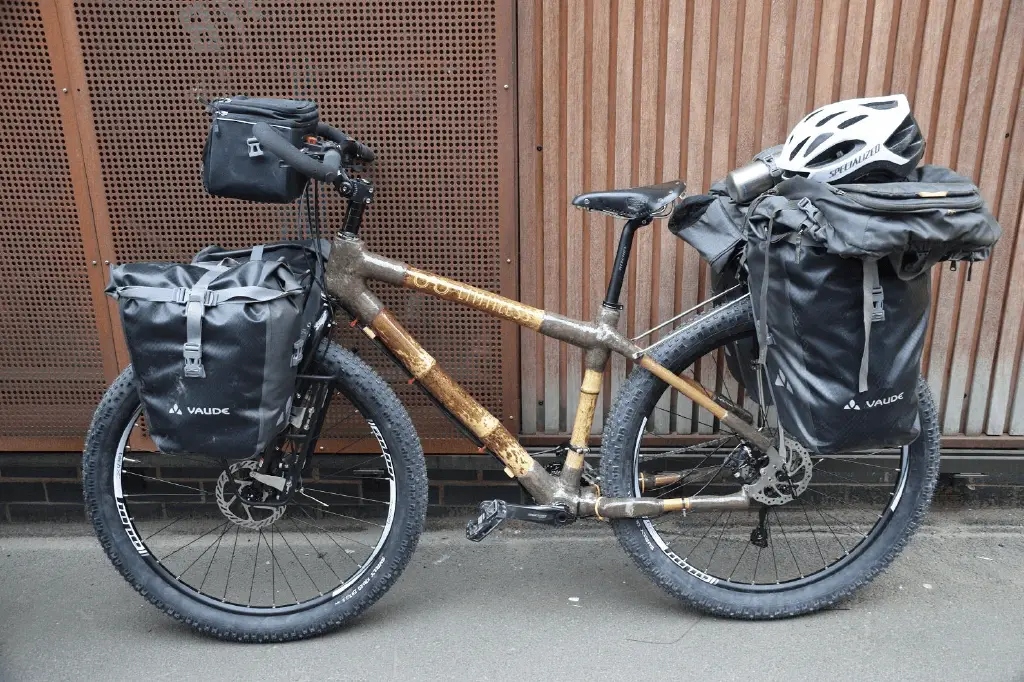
[
  {"x": 782, "y": 481},
  {"x": 242, "y": 512}
]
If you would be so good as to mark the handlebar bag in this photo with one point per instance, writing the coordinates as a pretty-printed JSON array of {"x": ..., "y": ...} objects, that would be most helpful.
[
  {"x": 234, "y": 164},
  {"x": 840, "y": 287},
  {"x": 216, "y": 344}
]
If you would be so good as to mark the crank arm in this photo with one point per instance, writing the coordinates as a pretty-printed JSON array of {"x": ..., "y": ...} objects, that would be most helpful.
[{"x": 646, "y": 507}]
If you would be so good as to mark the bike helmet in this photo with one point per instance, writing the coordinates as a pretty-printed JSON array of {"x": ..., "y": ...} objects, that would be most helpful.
[{"x": 849, "y": 140}]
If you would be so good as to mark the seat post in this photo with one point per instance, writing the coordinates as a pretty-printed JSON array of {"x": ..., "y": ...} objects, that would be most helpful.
[{"x": 611, "y": 298}]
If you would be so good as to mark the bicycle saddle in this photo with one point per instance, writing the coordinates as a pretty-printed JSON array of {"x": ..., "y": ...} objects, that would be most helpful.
[{"x": 634, "y": 202}]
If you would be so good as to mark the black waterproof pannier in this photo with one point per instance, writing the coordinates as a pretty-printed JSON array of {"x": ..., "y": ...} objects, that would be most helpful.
[
  {"x": 216, "y": 344},
  {"x": 235, "y": 165},
  {"x": 839, "y": 283}
]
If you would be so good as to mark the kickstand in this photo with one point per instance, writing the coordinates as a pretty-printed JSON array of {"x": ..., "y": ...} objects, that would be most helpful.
[{"x": 759, "y": 536}]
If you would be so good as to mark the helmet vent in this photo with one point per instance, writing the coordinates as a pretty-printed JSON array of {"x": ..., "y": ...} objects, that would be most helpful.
[
  {"x": 850, "y": 121},
  {"x": 829, "y": 118},
  {"x": 817, "y": 141},
  {"x": 887, "y": 104},
  {"x": 797, "y": 149},
  {"x": 811, "y": 115}
]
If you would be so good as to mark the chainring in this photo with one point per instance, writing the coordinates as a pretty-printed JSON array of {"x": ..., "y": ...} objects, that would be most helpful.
[{"x": 229, "y": 502}]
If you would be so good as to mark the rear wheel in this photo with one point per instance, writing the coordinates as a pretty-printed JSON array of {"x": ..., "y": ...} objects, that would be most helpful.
[
  {"x": 849, "y": 517},
  {"x": 188, "y": 536}
]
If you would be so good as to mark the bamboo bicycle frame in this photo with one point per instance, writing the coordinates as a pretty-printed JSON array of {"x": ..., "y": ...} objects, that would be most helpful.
[{"x": 349, "y": 268}]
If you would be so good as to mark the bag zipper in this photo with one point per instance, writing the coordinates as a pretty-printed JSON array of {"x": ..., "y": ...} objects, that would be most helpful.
[{"x": 957, "y": 202}]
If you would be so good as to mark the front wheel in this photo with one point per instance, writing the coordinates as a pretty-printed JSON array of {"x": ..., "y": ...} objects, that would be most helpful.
[
  {"x": 852, "y": 515},
  {"x": 181, "y": 532}
]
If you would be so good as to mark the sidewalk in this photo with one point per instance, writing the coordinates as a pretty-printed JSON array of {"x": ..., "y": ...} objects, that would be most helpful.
[{"x": 952, "y": 607}]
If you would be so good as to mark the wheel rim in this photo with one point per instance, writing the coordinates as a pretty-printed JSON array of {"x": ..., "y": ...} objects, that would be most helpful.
[
  {"x": 809, "y": 539},
  {"x": 308, "y": 556}
]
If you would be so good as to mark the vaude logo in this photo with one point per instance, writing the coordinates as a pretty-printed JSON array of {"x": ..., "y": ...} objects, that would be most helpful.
[
  {"x": 852, "y": 405},
  {"x": 200, "y": 410}
]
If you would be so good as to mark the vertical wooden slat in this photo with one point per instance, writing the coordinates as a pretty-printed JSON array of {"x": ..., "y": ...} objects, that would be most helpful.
[
  {"x": 854, "y": 49},
  {"x": 529, "y": 190},
  {"x": 827, "y": 68},
  {"x": 675, "y": 61},
  {"x": 597, "y": 224},
  {"x": 553, "y": 211},
  {"x": 623, "y": 140},
  {"x": 801, "y": 88},
  {"x": 695, "y": 142},
  {"x": 776, "y": 97},
  {"x": 880, "y": 47},
  {"x": 574, "y": 185},
  {"x": 643, "y": 254},
  {"x": 747, "y": 133}
]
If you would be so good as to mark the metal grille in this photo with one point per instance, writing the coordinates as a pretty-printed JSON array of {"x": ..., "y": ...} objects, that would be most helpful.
[
  {"x": 51, "y": 373},
  {"x": 416, "y": 80}
]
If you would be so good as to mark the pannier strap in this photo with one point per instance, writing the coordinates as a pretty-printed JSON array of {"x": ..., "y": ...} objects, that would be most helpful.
[
  {"x": 196, "y": 300},
  {"x": 874, "y": 311}
]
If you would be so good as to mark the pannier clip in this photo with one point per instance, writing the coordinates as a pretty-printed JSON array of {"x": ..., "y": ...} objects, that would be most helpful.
[
  {"x": 207, "y": 298},
  {"x": 193, "y": 361},
  {"x": 254, "y": 148}
]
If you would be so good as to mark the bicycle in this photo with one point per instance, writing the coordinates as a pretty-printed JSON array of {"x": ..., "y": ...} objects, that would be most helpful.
[{"x": 755, "y": 527}]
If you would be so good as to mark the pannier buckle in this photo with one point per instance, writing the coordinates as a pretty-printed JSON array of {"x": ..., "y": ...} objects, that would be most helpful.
[
  {"x": 254, "y": 148},
  {"x": 194, "y": 361},
  {"x": 877, "y": 307},
  {"x": 208, "y": 298}
]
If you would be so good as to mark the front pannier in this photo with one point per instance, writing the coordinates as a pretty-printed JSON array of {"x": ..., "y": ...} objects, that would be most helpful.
[
  {"x": 216, "y": 344},
  {"x": 234, "y": 164},
  {"x": 839, "y": 283}
]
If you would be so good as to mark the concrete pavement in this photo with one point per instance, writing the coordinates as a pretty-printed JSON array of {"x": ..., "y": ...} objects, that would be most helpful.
[{"x": 952, "y": 607}]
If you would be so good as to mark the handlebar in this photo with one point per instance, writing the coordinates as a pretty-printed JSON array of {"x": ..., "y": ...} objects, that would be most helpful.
[
  {"x": 357, "y": 149},
  {"x": 327, "y": 171},
  {"x": 283, "y": 149}
]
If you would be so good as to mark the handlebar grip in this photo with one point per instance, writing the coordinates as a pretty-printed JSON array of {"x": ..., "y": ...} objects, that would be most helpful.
[
  {"x": 346, "y": 142},
  {"x": 283, "y": 149},
  {"x": 332, "y": 134},
  {"x": 362, "y": 151}
]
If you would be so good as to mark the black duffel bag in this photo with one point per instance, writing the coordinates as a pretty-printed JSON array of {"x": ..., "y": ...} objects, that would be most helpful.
[
  {"x": 235, "y": 165},
  {"x": 839, "y": 283},
  {"x": 216, "y": 344}
]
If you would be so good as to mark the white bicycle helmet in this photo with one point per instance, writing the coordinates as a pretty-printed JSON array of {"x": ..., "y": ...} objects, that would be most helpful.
[{"x": 849, "y": 140}]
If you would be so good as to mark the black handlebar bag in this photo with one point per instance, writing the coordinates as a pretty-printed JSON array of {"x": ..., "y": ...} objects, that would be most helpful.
[
  {"x": 235, "y": 165},
  {"x": 840, "y": 287},
  {"x": 216, "y": 344}
]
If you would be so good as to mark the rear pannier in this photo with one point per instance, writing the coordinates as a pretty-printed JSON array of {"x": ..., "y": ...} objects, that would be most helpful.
[
  {"x": 234, "y": 164},
  {"x": 216, "y": 344},
  {"x": 839, "y": 283}
]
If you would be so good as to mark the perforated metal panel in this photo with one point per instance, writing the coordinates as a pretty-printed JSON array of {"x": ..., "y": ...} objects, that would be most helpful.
[
  {"x": 51, "y": 372},
  {"x": 415, "y": 79}
]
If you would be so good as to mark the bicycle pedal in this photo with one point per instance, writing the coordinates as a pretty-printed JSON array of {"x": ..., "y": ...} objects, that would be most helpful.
[{"x": 493, "y": 512}]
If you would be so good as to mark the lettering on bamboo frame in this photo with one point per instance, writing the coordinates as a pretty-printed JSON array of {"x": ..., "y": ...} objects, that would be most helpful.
[{"x": 475, "y": 298}]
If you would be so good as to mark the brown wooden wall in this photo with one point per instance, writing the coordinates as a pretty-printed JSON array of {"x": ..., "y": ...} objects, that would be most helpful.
[{"x": 625, "y": 92}]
